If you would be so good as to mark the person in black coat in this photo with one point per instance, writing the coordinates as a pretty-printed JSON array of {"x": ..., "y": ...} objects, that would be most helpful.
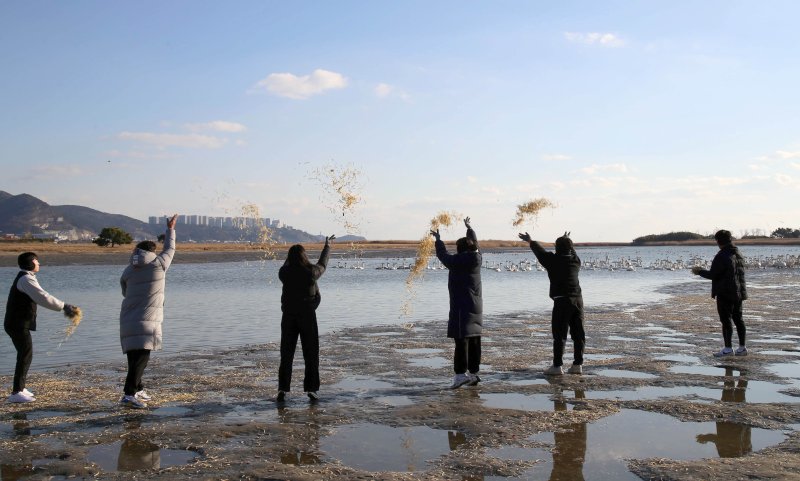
[
  {"x": 299, "y": 301},
  {"x": 465, "y": 322},
  {"x": 563, "y": 268},
  {"x": 729, "y": 288}
]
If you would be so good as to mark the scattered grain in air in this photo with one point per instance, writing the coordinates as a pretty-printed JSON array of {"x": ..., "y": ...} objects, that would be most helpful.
[
  {"x": 529, "y": 211},
  {"x": 75, "y": 319}
]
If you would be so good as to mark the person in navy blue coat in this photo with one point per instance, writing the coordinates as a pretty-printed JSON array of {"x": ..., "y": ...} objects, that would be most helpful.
[{"x": 465, "y": 322}]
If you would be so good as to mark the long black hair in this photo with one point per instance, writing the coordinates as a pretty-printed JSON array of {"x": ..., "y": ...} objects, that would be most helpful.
[{"x": 297, "y": 257}]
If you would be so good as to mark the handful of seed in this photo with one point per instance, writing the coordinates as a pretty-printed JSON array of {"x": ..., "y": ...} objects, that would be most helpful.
[
  {"x": 74, "y": 314},
  {"x": 529, "y": 211}
]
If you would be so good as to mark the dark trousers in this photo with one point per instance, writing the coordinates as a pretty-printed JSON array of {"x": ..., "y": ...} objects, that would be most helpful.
[
  {"x": 24, "y": 346},
  {"x": 730, "y": 313},
  {"x": 302, "y": 323},
  {"x": 467, "y": 354},
  {"x": 568, "y": 319},
  {"x": 137, "y": 361}
]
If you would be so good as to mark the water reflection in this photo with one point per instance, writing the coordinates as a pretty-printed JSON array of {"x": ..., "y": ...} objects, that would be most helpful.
[
  {"x": 307, "y": 453},
  {"x": 733, "y": 390},
  {"x": 732, "y": 440},
  {"x": 456, "y": 440},
  {"x": 20, "y": 426},
  {"x": 136, "y": 455},
  {"x": 569, "y": 452}
]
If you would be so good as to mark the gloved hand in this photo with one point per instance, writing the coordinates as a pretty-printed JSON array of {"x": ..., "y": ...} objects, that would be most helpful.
[
  {"x": 70, "y": 310},
  {"x": 435, "y": 234},
  {"x": 329, "y": 238},
  {"x": 696, "y": 270}
]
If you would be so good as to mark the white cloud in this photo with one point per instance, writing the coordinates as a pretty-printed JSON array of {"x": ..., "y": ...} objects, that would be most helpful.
[
  {"x": 595, "y": 38},
  {"x": 782, "y": 154},
  {"x": 472, "y": 179},
  {"x": 137, "y": 154},
  {"x": 294, "y": 87},
  {"x": 55, "y": 171},
  {"x": 217, "y": 126},
  {"x": 595, "y": 168},
  {"x": 795, "y": 165},
  {"x": 383, "y": 90},
  {"x": 757, "y": 167},
  {"x": 784, "y": 179},
  {"x": 556, "y": 157},
  {"x": 162, "y": 141}
]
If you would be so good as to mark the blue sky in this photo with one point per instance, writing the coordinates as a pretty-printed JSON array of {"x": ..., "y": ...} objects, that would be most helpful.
[{"x": 633, "y": 117}]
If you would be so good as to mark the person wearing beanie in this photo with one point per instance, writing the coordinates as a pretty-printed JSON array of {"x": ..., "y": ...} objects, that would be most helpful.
[
  {"x": 728, "y": 287},
  {"x": 563, "y": 268},
  {"x": 465, "y": 322},
  {"x": 20, "y": 319},
  {"x": 142, "y": 312}
]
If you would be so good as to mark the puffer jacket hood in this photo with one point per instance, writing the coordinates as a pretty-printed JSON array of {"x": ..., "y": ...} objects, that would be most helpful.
[{"x": 141, "y": 257}]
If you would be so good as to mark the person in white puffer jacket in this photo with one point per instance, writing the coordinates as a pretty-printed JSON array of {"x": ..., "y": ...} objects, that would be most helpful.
[{"x": 142, "y": 311}]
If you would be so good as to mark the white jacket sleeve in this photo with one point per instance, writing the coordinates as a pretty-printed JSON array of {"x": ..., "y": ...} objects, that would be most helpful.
[{"x": 30, "y": 286}]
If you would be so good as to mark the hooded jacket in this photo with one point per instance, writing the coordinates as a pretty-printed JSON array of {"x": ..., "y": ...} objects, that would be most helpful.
[
  {"x": 727, "y": 274},
  {"x": 142, "y": 285},
  {"x": 562, "y": 267},
  {"x": 300, "y": 288},
  {"x": 466, "y": 292}
]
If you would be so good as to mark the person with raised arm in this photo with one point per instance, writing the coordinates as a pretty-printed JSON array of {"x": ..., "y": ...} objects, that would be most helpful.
[
  {"x": 142, "y": 313},
  {"x": 299, "y": 301},
  {"x": 465, "y": 321},
  {"x": 563, "y": 267}
]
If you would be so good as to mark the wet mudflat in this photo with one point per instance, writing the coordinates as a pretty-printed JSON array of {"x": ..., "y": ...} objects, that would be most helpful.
[{"x": 652, "y": 404}]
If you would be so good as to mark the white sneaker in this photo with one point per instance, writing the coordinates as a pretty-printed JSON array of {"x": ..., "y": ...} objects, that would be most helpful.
[
  {"x": 142, "y": 396},
  {"x": 741, "y": 351},
  {"x": 459, "y": 380},
  {"x": 724, "y": 352},
  {"x": 553, "y": 371},
  {"x": 26, "y": 392},
  {"x": 575, "y": 369},
  {"x": 20, "y": 397},
  {"x": 132, "y": 402},
  {"x": 473, "y": 379}
]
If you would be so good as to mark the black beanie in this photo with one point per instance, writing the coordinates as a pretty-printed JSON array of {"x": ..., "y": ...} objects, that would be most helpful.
[
  {"x": 563, "y": 245},
  {"x": 25, "y": 261}
]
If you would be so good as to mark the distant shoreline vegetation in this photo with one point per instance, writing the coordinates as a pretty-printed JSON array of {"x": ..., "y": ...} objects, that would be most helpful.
[{"x": 783, "y": 235}]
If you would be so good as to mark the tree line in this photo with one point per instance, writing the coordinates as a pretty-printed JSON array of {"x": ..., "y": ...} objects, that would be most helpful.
[{"x": 780, "y": 233}]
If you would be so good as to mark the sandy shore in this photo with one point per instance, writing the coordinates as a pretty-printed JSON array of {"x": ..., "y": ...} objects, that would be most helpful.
[{"x": 387, "y": 413}]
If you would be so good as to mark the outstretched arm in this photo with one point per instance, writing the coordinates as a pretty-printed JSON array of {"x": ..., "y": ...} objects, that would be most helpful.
[
  {"x": 322, "y": 263},
  {"x": 471, "y": 233},
  {"x": 541, "y": 254},
  {"x": 168, "y": 252}
]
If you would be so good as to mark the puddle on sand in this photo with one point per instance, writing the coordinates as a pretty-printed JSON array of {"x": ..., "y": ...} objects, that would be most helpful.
[
  {"x": 13, "y": 472},
  {"x": 787, "y": 369},
  {"x": 655, "y": 392},
  {"x": 769, "y": 341},
  {"x": 396, "y": 401},
  {"x": 136, "y": 455},
  {"x": 171, "y": 411},
  {"x": 622, "y": 338},
  {"x": 601, "y": 357},
  {"x": 625, "y": 374},
  {"x": 535, "y": 402},
  {"x": 530, "y": 382},
  {"x": 598, "y": 450},
  {"x": 301, "y": 458},
  {"x": 374, "y": 447},
  {"x": 430, "y": 362},
  {"x": 705, "y": 370},
  {"x": 420, "y": 350},
  {"x": 780, "y": 353},
  {"x": 252, "y": 413},
  {"x": 361, "y": 383},
  {"x": 742, "y": 390},
  {"x": 679, "y": 358}
]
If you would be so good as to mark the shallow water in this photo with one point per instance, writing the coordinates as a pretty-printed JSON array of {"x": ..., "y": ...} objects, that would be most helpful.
[
  {"x": 598, "y": 450},
  {"x": 221, "y": 305},
  {"x": 136, "y": 455}
]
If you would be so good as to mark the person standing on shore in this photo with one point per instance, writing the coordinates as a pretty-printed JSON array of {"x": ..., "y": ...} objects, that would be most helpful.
[
  {"x": 465, "y": 322},
  {"x": 142, "y": 312},
  {"x": 563, "y": 268},
  {"x": 299, "y": 301},
  {"x": 729, "y": 288},
  {"x": 20, "y": 319}
]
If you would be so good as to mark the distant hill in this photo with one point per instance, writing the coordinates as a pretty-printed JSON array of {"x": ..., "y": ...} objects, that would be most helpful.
[{"x": 26, "y": 215}]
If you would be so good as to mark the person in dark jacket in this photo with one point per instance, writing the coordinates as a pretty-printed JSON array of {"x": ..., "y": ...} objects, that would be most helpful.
[
  {"x": 20, "y": 320},
  {"x": 299, "y": 301},
  {"x": 729, "y": 288},
  {"x": 563, "y": 268},
  {"x": 465, "y": 321}
]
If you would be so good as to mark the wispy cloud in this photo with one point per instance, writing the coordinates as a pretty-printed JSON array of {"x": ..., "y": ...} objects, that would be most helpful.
[
  {"x": 55, "y": 171},
  {"x": 217, "y": 126},
  {"x": 383, "y": 90},
  {"x": 302, "y": 87},
  {"x": 595, "y": 38},
  {"x": 595, "y": 168},
  {"x": 555, "y": 157},
  {"x": 162, "y": 141},
  {"x": 138, "y": 154},
  {"x": 795, "y": 165},
  {"x": 782, "y": 154}
]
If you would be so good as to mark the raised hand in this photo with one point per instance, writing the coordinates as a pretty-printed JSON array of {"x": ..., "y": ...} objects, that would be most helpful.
[
  {"x": 171, "y": 222},
  {"x": 466, "y": 223},
  {"x": 526, "y": 237},
  {"x": 435, "y": 234},
  {"x": 329, "y": 238}
]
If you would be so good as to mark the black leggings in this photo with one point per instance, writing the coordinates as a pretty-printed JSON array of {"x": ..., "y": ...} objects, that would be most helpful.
[
  {"x": 730, "y": 313},
  {"x": 568, "y": 319},
  {"x": 303, "y": 324},
  {"x": 467, "y": 354},
  {"x": 137, "y": 361},
  {"x": 24, "y": 346}
]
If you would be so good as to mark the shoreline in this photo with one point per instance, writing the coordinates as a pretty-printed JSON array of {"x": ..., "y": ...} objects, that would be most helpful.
[
  {"x": 385, "y": 397},
  {"x": 90, "y": 254}
]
